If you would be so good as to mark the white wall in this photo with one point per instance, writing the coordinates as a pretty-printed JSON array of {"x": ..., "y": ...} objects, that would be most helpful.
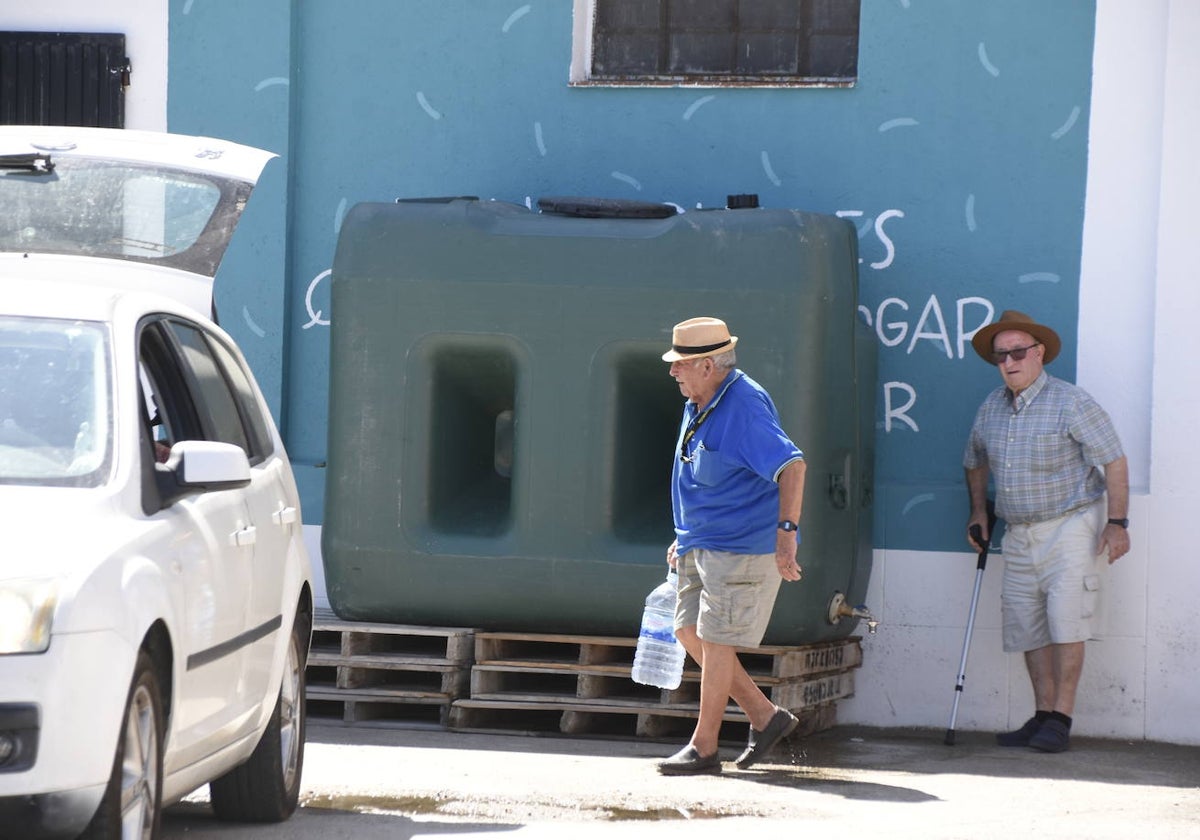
[
  {"x": 1120, "y": 234},
  {"x": 144, "y": 24},
  {"x": 1138, "y": 353},
  {"x": 1173, "y": 652}
]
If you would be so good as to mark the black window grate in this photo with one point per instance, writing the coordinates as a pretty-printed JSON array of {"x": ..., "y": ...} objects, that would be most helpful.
[
  {"x": 63, "y": 78},
  {"x": 726, "y": 41}
]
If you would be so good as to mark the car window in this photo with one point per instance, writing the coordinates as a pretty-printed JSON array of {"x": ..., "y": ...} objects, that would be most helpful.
[
  {"x": 195, "y": 389},
  {"x": 170, "y": 412},
  {"x": 157, "y": 422},
  {"x": 257, "y": 432},
  {"x": 120, "y": 210},
  {"x": 55, "y": 402},
  {"x": 214, "y": 401}
]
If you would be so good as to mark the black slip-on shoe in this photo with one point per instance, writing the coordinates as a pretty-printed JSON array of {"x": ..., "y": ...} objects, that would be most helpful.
[
  {"x": 781, "y": 725},
  {"x": 1019, "y": 737},
  {"x": 689, "y": 762},
  {"x": 1053, "y": 737}
]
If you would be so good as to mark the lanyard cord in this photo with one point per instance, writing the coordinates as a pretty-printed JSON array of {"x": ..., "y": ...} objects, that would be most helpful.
[{"x": 694, "y": 426}]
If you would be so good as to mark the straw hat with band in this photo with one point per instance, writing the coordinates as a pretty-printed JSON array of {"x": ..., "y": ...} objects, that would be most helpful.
[
  {"x": 1011, "y": 319},
  {"x": 696, "y": 338}
]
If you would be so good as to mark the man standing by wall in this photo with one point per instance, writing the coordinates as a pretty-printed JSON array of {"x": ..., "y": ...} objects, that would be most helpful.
[
  {"x": 1054, "y": 455},
  {"x": 737, "y": 491}
]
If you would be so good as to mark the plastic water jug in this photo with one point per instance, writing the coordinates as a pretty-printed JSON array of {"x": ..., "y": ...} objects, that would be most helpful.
[{"x": 658, "y": 660}]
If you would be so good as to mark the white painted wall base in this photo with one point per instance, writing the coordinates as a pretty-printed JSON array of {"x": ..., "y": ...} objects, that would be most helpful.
[
  {"x": 312, "y": 541},
  {"x": 910, "y": 665}
]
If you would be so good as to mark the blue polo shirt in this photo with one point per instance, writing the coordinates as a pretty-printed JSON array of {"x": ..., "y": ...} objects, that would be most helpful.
[{"x": 726, "y": 496}]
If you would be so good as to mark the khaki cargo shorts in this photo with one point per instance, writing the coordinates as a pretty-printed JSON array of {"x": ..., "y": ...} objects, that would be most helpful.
[
  {"x": 728, "y": 597},
  {"x": 1051, "y": 584}
]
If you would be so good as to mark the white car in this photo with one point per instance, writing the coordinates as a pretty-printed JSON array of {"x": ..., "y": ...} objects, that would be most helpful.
[{"x": 155, "y": 592}]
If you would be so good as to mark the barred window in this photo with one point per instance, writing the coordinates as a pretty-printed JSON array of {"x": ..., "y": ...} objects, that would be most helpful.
[{"x": 769, "y": 43}]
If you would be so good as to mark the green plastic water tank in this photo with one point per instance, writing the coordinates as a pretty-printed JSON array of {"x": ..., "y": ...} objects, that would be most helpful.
[{"x": 502, "y": 426}]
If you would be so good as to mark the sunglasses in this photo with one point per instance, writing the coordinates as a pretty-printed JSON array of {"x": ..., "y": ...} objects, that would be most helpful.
[{"x": 1018, "y": 353}]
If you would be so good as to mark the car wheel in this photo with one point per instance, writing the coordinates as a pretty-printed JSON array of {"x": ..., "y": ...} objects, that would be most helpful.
[
  {"x": 266, "y": 787},
  {"x": 130, "y": 807}
]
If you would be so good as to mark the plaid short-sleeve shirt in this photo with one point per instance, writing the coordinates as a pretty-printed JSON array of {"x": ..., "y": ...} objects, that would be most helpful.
[{"x": 1044, "y": 449}]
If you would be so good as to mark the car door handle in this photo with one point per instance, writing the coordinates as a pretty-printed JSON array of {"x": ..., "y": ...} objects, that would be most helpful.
[
  {"x": 284, "y": 516},
  {"x": 244, "y": 536}
]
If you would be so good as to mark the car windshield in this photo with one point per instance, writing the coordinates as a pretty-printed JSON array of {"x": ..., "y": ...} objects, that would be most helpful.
[
  {"x": 118, "y": 209},
  {"x": 55, "y": 405}
]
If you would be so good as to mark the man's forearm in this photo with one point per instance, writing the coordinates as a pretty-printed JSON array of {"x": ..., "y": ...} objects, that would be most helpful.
[
  {"x": 1116, "y": 481},
  {"x": 977, "y": 480},
  {"x": 791, "y": 491}
]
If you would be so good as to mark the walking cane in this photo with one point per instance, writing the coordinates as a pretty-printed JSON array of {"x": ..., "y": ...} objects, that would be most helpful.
[{"x": 977, "y": 537}]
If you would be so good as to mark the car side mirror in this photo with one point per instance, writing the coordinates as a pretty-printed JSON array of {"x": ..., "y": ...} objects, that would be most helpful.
[{"x": 201, "y": 466}]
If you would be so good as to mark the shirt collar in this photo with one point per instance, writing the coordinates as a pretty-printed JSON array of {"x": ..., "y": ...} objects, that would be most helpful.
[
  {"x": 729, "y": 379},
  {"x": 1029, "y": 394}
]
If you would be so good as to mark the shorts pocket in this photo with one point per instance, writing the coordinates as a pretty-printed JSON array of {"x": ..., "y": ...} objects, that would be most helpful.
[
  {"x": 743, "y": 605},
  {"x": 1091, "y": 594}
]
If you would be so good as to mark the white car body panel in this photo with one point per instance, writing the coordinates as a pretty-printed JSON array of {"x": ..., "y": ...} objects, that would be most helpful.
[
  {"x": 200, "y": 154},
  {"x": 193, "y": 289}
]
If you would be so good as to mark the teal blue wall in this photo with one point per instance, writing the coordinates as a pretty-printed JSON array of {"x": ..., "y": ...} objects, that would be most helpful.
[{"x": 960, "y": 155}]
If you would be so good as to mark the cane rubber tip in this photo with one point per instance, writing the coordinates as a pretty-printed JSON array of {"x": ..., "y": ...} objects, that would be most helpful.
[{"x": 949, "y": 738}]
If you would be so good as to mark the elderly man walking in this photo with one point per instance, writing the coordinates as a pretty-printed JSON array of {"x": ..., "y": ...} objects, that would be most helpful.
[
  {"x": 1055, "y": 457},
  {"x": 737, "y": 491}
]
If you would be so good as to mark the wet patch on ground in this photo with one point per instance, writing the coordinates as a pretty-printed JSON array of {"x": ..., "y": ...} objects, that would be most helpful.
[{"x": 449, "y": 806}]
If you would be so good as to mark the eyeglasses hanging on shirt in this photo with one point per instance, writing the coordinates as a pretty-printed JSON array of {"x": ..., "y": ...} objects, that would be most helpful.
[{"x": 699, "y": 419}]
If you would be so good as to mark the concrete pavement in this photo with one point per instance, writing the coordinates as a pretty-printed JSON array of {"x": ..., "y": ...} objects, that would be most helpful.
[{"x": 367, "y": 783}]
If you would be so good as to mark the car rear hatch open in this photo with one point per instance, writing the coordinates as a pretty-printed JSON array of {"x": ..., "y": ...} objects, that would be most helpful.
[{"x": 140, "y": 198}]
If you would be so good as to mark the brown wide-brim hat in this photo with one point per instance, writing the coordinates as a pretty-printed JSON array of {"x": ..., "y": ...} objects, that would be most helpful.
[
  {"x": 1011, "y": 319},
  {"x": 696, "y": 338}
]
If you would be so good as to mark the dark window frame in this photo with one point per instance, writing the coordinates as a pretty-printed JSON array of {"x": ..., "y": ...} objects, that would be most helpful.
[{"x": 721, "y": 43}]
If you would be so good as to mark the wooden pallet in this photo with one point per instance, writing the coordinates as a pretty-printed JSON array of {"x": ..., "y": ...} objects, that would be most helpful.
[
  {"x": 360, "y": 672},
  {"x": 601, "y": 718},
  {"x": 582, "y": 685}
]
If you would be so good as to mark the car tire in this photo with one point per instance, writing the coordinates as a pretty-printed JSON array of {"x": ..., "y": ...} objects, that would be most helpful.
[
  {"x": 266, "y": 787},
  {"x": 131, "y": 804}
]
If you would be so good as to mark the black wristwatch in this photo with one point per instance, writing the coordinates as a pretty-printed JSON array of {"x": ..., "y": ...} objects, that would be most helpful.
[
  {"x": 788, "y": 525},
  {"x": 1124, "y": 523}
]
